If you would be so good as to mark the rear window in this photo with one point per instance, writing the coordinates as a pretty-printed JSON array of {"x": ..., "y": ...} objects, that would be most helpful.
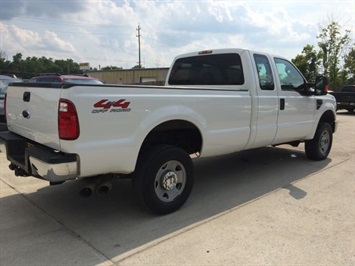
[{"x": 218, "y": 69}]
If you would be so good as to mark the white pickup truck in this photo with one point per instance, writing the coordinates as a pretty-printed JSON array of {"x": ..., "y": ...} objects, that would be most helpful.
[{"x": 215, "y": 102}]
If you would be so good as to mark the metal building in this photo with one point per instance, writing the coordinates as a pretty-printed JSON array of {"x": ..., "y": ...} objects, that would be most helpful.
[{"x": 152, "y": 76}]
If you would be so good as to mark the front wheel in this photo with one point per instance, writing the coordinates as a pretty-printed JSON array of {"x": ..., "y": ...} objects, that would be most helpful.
[
  {"x": 163, "y": 179},
  {"x": 319, "y": 147}
]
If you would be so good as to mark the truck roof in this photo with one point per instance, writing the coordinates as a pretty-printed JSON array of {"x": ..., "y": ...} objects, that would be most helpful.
[{"x": 221, "y": 51}]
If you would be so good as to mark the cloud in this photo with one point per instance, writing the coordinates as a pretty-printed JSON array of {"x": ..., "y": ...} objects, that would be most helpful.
[
  {"x": 52, "y": 8},
  {"x": 25, "y": 39},
  {"x": 19, "y": 38},
  {"x": 51, "y": 41},
  {"x": 55, "y": 8},
  {"x": 104, "y": 31},
  {"x": 223, "y": 11},
  {"x": 276, "y": 22},
  {"x": 10, "y": 9}
]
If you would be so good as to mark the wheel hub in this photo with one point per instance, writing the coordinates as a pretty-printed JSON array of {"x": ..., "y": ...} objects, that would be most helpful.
[
  {"x": 324, "y": 141},
  {"x": 169, "y": 180}
]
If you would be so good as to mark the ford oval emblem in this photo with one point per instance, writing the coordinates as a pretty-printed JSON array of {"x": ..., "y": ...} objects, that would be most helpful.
[{"x": 26, "y": 114}]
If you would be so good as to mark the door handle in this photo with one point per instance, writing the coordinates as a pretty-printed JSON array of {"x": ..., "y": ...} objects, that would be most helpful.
[
  {"x": 282, "y": 104},
  {"x": 26, "y": 96}
]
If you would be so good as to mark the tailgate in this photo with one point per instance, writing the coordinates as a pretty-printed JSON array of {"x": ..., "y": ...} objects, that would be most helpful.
[{"x": 32, "y": 111}]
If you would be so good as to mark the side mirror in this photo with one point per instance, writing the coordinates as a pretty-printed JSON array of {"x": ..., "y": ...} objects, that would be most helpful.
[{"x": 321, "y": 86}]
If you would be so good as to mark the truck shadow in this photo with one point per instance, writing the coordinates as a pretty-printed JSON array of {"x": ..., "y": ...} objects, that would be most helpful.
[{"x": 116, "y": 225}]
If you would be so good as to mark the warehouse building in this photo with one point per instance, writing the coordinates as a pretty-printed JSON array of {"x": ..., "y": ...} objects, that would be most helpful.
[{"x": 151, "y": 76}]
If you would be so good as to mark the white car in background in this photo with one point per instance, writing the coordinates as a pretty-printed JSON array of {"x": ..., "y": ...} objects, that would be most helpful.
[{"x": 4, "y": 82}]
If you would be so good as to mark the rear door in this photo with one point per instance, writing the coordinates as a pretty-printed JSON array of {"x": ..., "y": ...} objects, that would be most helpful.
[
  {"x": 32, "y": 112},
  {"x": 267, "y": 102}
]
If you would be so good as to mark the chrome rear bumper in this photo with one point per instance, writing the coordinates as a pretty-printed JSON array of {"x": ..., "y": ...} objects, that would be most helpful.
[{"x": 32, "y": 159}]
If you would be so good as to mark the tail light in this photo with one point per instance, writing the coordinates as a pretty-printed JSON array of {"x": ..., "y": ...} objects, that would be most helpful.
[{"x": 68, "y": 121}]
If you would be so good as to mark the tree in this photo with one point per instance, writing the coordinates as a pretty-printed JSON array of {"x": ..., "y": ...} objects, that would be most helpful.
[
  {"x": 111, "y": 68},
  {"x": 17, "y": 58},
  {"x": 333, "y": 44},
  {"x": 13, "y": 67},
  {"x": 2, "y": 55},
  {"x": 137, "y": 67},
  {"x": 308, "y": 62},
  {"x": 68, "y": 66},
  {"x": 349, "y": 66},
  {"x": 33, "y": 66},
  {"x": 3, "y": 62},
  {"x": 332, "y": 58}
]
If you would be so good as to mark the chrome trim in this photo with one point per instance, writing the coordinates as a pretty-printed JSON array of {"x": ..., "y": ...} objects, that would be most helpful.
[{"x": 54, "y": 172}]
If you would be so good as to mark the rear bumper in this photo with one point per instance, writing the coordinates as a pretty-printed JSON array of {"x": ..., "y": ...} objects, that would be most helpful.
[{"x": 32, "y": 159}]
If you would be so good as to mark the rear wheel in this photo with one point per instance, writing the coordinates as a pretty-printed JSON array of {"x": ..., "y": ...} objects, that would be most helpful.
[
  {"x": 163, "y": 179},
  {"x": 319, "y": 147}
]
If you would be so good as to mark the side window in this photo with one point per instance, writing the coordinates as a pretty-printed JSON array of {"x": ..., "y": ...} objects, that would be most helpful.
[
  {"x": 289, "y": 76},
  {"x": 44, "y": 79},
  {"x": 263, "y": 68}
]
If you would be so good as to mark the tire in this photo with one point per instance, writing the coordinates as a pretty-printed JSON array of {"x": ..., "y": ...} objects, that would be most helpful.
[
  {"x": 163, "y": 179},
  {"x": 319, "y": 147}
]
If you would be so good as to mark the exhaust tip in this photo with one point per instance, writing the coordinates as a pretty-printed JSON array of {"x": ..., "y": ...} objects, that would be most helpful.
[
  {"x": 85, "y": 192},
  {"x": 104, "y": 190}
]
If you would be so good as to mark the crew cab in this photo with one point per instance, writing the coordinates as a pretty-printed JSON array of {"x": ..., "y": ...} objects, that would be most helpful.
[{"x": 214, "y": 102}]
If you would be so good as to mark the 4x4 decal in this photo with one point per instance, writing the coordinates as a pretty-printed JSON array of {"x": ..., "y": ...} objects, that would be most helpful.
[{"x": 104, "y": 106}]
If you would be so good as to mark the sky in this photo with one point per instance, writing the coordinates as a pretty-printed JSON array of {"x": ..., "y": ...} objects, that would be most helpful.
[{"x": 104, "y": 32}]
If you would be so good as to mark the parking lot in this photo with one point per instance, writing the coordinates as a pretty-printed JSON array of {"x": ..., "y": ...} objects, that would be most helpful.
[{"x": 268, "y": 206}]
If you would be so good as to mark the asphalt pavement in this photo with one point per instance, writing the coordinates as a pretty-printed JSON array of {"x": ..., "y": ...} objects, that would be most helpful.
[{"x": 267, "y": 206}]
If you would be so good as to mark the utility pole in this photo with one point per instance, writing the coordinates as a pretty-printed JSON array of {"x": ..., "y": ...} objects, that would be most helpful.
[{"x": 139, "y": 46}]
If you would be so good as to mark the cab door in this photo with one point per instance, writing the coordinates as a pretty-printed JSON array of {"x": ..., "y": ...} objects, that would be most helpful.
[
  {"x": 266, "y": 103},
  {"x": 296, "y": 112}
]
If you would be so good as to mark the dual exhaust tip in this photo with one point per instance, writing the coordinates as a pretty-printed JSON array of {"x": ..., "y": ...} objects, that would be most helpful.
[
  {"x": 100, "y": 185},
  {"x": 100, "y": 188}
]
